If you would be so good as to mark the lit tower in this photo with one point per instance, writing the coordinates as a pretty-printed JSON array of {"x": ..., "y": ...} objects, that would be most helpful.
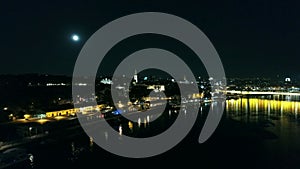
[{"x": 135, "y": 76}]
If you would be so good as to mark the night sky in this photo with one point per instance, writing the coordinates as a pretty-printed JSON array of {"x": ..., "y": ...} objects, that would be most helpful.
[{"x": 253, "y": 38}]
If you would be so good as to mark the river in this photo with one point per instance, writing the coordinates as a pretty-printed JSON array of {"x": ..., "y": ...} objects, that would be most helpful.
[{"x": 254, "y": 132}]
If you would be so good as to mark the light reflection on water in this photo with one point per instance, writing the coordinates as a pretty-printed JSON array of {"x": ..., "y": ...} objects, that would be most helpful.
[
  {"x": 283, "y": 114},
  {"x": 258, "y": 106},
  {"x": 279, "y": 113}
]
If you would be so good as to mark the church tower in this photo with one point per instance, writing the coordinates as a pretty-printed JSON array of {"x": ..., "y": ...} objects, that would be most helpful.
[{"x": 135, "y": 76}]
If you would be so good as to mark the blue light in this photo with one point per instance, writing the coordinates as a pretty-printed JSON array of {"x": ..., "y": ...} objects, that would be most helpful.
[{"x": 117, "y": 112}]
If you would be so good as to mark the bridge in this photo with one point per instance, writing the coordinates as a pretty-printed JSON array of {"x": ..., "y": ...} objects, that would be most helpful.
[{"x": 260, "y": 93}]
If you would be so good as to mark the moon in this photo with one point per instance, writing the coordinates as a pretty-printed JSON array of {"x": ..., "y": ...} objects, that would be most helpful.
[{"x": 75, "y": 38}]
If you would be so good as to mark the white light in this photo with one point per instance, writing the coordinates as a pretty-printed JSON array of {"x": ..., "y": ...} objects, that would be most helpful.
[{"x": 75, "y": 37}]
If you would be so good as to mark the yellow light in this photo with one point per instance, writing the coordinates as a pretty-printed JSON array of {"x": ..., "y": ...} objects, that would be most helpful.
[
  {"x": 130, "y": 125},
  {"x": 59, "y": 117},
  {"x": 27, "y": 116},
  {"x": 42, "y": 121}
]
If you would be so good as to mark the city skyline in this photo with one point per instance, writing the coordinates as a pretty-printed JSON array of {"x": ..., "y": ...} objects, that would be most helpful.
[{"x": 122, "y": 83}]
